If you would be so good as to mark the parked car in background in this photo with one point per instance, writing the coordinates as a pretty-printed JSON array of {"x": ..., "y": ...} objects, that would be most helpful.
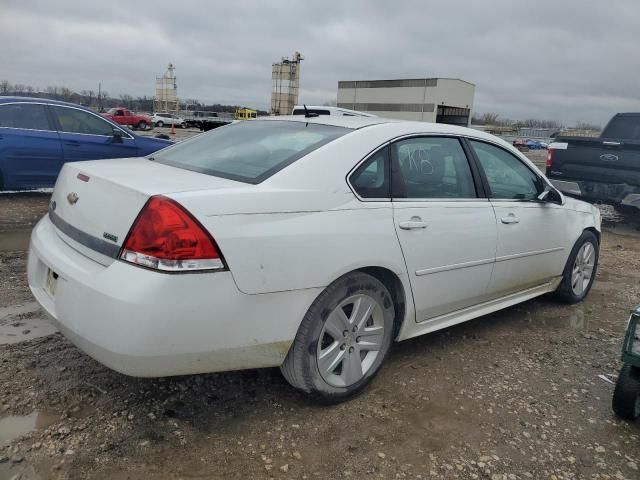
[
  {"x": 38, "y": 136},
  {"x": 534, "y": 144},
  {"x": 123, "y": 116},
  {"x": 526, "y": 144},
  {"x": 164, "y": 119},
  {"x": 325, "y": 110},
  {"x": 521, "y": 144},
  {"x": 306, "y": 243},
  {"x": 602, "y": 169},
  {"x": 205, "y": 120}
]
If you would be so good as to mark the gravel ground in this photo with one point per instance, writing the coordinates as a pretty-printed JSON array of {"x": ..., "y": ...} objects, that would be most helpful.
[{"x": 511, "y": 395}]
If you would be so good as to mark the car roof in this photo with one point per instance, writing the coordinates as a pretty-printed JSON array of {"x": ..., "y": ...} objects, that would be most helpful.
[
  {"x": 336, "y": 110},
  {"x": 13, "y": 99},
  {"x": 333, "y": 120},
  {"x": 356, "y": 123}
]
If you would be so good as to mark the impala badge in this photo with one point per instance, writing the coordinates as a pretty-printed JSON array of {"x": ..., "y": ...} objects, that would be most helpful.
[
  {"x": 73, "y": 198},
  {"x": 609, "y": 157}
]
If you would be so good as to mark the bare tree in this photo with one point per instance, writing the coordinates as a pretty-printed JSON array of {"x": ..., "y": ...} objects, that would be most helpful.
[
  {"x": 5, "y": 86},
  {"x": 491, "y": 118},
  {"x": 66, "y": 93},
  {"x": 535, "y": 123},
  {"x": 588, "y": 126}
]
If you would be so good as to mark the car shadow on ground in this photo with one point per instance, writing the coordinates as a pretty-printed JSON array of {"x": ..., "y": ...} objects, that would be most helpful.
[{"x": 218, "y": 400}]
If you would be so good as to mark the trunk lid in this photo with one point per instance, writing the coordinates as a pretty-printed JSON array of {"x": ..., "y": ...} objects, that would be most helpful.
[{"x": 95, "y": 203}]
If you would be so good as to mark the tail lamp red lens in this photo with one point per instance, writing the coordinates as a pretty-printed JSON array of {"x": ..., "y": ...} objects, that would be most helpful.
[
  {"x": 166, "y": 237},
  {"x": 549, "y": 163}
]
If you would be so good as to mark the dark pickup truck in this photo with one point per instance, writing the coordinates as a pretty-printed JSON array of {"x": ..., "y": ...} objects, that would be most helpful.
[{"x": 604, "y": 169}]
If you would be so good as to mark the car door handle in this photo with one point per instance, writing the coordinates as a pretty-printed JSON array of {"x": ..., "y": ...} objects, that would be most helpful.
[
  {"x": 412, "y": 224},
  {"x": 72, "y": 143},
  {"x": 509, "y": 219}
]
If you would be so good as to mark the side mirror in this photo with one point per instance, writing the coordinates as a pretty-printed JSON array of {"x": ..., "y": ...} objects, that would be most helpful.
[
  {"x": 545, "y": 193},
  {"x": 550, "y": 194},
  {"x": 117, "y": 136}
]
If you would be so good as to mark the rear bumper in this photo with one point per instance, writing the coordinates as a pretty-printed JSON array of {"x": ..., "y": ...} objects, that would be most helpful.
[
  {"x": 143, "y": 323},
  {"x": 614, "y": 193}
]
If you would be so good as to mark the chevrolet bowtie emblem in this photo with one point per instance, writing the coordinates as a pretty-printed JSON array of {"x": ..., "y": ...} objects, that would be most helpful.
[{"x": 73, "y": 198}]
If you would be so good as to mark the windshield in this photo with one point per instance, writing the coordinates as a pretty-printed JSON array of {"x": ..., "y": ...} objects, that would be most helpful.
[{"x": 249, "y": 151}]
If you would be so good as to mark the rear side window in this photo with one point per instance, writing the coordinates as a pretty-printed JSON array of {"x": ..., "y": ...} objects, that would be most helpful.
[
  {"x": 249, "y": 151},
  {"x": 300, "y": 111},
  {"x": 623, "y": 127},
  {"x": 73, "y": 120},
  {"x": 371, "y": 179},
  {"x": 31, "y": 116}
]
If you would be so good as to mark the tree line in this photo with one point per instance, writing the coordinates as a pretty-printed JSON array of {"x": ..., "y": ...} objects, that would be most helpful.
[
  {"x": 492, "y": 118},
  {"x": 102, "y": 100}
]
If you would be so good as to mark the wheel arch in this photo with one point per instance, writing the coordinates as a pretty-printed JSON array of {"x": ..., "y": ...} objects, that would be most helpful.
[
  {"x": 594, "y": 231},
  {"x": 398, "y": 294}
]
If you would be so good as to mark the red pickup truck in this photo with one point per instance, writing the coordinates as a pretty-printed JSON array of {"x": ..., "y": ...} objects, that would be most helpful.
[{"x": 122, "y": 116}]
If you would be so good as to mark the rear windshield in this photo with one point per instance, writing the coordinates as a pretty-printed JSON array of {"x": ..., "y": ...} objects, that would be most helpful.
[
  {"x": 623, "y": 127},
  {"x": 249, "y": 151}
]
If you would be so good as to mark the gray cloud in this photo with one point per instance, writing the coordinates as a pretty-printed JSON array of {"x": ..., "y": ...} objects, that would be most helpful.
[{"x": 570, "y": 60}]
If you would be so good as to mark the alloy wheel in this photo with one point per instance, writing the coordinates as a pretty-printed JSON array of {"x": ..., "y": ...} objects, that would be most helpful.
[
  {"x": 350, "y": 340},
  {"x": 583, "y": 268}
]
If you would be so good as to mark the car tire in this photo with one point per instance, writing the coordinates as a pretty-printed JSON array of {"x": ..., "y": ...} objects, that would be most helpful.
[
  {"x": 332, "y": 365},
  {"x": 626, "y": 395},
  {"x": 579, "y": 271},
  {"x": 160, "y": 124},
  {"x": 142, "y": 125}
]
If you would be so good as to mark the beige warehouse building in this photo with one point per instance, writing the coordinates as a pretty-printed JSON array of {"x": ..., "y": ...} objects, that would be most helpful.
[{"x": 441, "y": 100}]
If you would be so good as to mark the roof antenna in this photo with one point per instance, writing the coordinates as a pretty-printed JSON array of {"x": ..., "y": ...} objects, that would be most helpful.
[{"x": 308, "y": 114}]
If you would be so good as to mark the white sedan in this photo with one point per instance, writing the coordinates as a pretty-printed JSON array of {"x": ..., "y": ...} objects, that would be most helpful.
[
  {"x": 167, "y": 119},
  {"x": 305, "y": 243}
]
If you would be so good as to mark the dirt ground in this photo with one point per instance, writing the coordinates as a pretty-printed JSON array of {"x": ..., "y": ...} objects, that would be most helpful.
[{"x": 512, "y": 395}]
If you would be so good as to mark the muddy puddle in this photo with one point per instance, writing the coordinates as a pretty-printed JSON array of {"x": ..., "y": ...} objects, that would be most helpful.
[
  {"x": 577, "y": 320},
  {"x": 15, "y": 426},
  {"x": 15, "y": 240},
  {"x": 19, "y": 323}
]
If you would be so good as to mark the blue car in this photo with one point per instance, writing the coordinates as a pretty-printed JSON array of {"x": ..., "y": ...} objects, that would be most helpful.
[
  {"x": 37, "y": 136},
  {"x": 534, "y": 145}
]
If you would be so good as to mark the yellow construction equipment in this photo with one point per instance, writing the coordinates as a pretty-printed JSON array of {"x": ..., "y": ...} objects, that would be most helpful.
[{"x": 245, "y": 114}]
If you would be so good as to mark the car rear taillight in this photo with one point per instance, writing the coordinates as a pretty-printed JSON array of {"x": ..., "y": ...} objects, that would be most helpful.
[
  {"x": 167, "y": 237},
  {"x": 549, "y": 163}
]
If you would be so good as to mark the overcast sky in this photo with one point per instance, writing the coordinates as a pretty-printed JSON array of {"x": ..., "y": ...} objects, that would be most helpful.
[{"x": 565, "y": 60}]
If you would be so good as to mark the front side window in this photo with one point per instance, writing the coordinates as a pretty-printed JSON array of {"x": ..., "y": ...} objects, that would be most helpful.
[
  {"x": 370, "y": 180},
  {"x": 431, "y": 167},
  {"x": 249, "y": 151},
  {"x": 73, "y": 120},
  {"x": 507, "y": 176},
  {"x": 30, "y": 116}
]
